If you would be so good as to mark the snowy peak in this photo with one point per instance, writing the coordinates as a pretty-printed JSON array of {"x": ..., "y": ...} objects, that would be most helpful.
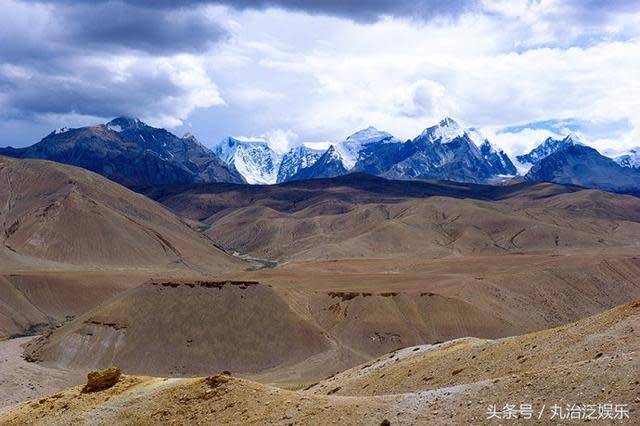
[
  {"x": 298, "y": 158},
  {"x": 444, "y": 151},
  {"x": 332, "y": 154},
  {"x": 548, "y": 147},
  {"x": 351, "y": 147},
  {"x": 498, "y": 159},
  {"x": 631, "y": 160},
  {"x": 572, "y": 138},
  {"x": 230, "y": 145},
  {"x": 60, "y": 131},
  {"x": 444, "y": 132},
  {"x": 330, "y": 164},
  {"x": 253, "y": 159},
  {"x": 578, "y": 164},
  {"x": 478, "y": 139},
  {"x": 369, "y": 135}
]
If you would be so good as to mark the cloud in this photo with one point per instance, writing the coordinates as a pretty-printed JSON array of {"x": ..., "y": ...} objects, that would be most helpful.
[
  {"x": 357, "y": 10},
  {"x": 163, "y": 91},
  {"x": 424, "y": 98},
  {"x": 115, "y": 26},
  {"x": 320, "y": 70},
  {"x": 49, "y": 29},
  {"x": 77, "y": 60},
  {"x": 280, "y": 140},
  {"x": 580, "y": 12},
  {"x": 402, "y": 77}
]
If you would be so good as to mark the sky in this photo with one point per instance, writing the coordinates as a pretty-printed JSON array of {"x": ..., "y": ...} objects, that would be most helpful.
[{"x": 297, "y": 71}]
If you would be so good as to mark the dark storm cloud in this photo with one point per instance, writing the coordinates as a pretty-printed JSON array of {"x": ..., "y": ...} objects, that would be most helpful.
[
  {"x": 125, "y": 25},
  {"x": 587, "y": 11},
  {"x": 365, "y": 10},
  {"x": 102, "y": 95},
  {"x": 32, "y": 34},
  {"x": 63, "y": 58},
  {"x": 357, "y": 10},
  {"x": 115, "y": 26}
]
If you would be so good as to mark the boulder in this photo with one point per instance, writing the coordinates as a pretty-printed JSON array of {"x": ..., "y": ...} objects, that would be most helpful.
[{"x": 102, "y": 379}]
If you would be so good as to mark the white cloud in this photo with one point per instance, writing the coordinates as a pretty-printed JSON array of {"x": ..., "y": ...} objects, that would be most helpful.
[
  {"x": 518, "y": 142},
  {"x": 280, "y": 140},
  {"x": 402, "y": 76}
]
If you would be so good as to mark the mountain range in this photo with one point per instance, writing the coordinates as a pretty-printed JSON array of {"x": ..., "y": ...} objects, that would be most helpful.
[
  {"x": 135, "y": 154},
  {"x": 445, "y": 151}
]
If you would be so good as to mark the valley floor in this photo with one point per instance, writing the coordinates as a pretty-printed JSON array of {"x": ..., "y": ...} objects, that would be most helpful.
[{"x": 21, "y": 380}]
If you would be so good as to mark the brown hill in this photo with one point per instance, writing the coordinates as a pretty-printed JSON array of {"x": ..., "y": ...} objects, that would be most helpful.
[
  {"x": 70, "y": 239},
  {"x": 612, "y": 334},
  {"x": 54, "y": 214},
  {"x": 593, "y": 361},
  {"x": 32, "y": 302},
  {"x": 361, "y": 216},
  {"x": 354, "y": 310},
  {"x": 185, "y": 328}
]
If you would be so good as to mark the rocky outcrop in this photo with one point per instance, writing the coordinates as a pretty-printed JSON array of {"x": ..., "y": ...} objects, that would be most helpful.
[{"x": 102, "y": 379}]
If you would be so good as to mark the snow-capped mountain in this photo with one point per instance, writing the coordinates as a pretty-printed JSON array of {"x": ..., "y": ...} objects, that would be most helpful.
[
  {"x": 254, "y": 160},
  {"x": 497, "y": 158},
  {"x": 296, "y": 159},
  {"x": 444, "y": 151},
  {"x": 330, "y": 164},
  {"x": 351, "y": 147},
  {"x": 632, "y": 159},
  {"x": 447, "y": 130},
  {"x": 548, "y": 147}
]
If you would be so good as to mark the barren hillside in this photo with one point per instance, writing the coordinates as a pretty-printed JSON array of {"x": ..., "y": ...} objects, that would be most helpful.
[
  {"x": 594, "y": 361},
  {"x": 357, "y": 216}
]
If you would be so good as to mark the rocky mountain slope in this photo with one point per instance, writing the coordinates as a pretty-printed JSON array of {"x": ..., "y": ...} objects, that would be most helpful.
[
  {"x": 498, "y": 159},
  {"x": 240, "y": 326},
  {"x": 330, "y": 164},
  {"x": 132, "y": 153},
  {"x": 547, "y": 147},
  {"x": 296, "y": 159},
  {"x": 584, "y": 166},
  {"x": 500, "y": 260}
]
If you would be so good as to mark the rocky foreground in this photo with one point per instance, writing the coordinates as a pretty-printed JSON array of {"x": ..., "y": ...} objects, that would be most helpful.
[{"x": 587, "y": 370}]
